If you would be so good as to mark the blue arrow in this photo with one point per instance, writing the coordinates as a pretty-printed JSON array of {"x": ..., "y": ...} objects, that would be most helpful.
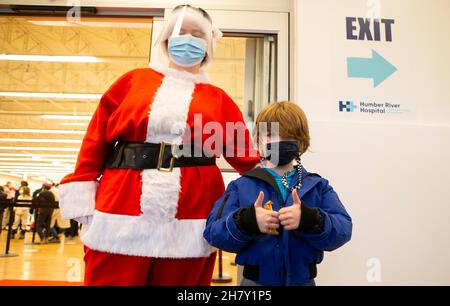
[{"x": 376, "y": 68}]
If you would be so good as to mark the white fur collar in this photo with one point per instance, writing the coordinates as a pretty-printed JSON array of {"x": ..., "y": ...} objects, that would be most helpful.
[{"x": 199, "y": 78}]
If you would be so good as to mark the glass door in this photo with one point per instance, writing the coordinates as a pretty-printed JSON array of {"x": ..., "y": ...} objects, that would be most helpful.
[
  {"x": 245, "y": 69},
  {"x": 243, "y": 66}
]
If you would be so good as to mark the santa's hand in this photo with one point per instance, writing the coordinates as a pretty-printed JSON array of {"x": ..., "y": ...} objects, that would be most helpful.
[
  {"x": 267, "y": 219},
  {"x": 85, "y": 220},
  {"x": 290, "y": 216}
]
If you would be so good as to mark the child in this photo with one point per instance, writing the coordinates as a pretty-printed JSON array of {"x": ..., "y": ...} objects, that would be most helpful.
[{"x": 281, "y": 241}]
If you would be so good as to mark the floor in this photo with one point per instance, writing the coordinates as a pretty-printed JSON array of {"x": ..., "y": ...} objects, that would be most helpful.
[{"x": 59, "y": 263}]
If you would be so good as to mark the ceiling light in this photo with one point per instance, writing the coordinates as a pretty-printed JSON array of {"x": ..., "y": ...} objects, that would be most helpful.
[
  {"x": 50, "y": 58},
  {"x": 116, "y": 24},
  {"x": 74, "y": 124},
  {"x": 50, "y": 95},
  {"x": 41, "y": 131},
  {"x": 11, "y": 174},
  {"x": 40, "y": 149},
  {"x": 42, "y": 171},
  {"x": 64, "y": 117},
  {"x": 40, "y": 140},
  {"x": 47, "y": 173},
  {"x": 34, "y": 165},
  {"x": 38, "y": 156}
]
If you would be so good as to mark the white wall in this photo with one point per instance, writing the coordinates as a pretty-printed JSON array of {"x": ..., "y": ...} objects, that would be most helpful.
[{"x": 391, "y": 171}]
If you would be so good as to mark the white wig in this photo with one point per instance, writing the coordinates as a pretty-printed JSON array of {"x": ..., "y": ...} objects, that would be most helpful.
[{"x": 189, "y": 19}]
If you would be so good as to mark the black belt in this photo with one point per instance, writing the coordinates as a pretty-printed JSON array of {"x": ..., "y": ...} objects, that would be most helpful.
[{"x": 161, "y": 156}]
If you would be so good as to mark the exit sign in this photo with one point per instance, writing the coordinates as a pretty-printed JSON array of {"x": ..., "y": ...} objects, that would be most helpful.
[{"x": 359, "y": 28}]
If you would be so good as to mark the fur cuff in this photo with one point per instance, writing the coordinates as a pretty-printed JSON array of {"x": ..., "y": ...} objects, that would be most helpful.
[{"x": 77, "y": 199}]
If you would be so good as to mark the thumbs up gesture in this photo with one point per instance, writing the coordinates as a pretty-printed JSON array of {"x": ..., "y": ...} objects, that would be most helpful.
[
  {"x": 290, "y": 216},
  {"x": 267, "y": 219}
]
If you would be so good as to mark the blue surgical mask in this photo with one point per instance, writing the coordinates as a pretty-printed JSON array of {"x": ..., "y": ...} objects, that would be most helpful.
[{"x": 186, "y": 50}]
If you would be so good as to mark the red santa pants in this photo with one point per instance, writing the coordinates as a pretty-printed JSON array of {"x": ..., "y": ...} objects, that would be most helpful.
[{"x": 104, "y": 269}]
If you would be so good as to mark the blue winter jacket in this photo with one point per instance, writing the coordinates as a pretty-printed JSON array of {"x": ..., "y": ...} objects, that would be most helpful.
[{"x": 291, "y": 257}]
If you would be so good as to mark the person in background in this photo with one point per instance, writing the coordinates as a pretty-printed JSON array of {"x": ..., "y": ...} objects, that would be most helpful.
[
  {"x": 19, "y": 191},
  {"x": 45, "y": 197},
  {"x": 21, "y": 213},
  {"x": 57, "y": 222},
  {"x": 2, "y": 207},
  {"x": 10, "y": 192},
  {"x": 35, "y": 195},
  {"x": 37, "y": 191}
]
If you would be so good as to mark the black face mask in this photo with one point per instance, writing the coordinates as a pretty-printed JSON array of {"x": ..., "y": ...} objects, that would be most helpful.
[{"x": 287, "y": 151}]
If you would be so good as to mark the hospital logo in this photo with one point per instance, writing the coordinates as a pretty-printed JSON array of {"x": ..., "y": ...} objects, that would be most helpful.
[{"x": 347, "y": 106}]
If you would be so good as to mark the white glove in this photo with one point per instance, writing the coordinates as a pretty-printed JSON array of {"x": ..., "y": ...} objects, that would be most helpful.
[{"x": 85, "y": 220}]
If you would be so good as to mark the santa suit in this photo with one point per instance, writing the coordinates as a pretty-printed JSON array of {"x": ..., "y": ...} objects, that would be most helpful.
[{"x": 147, "y": 225}]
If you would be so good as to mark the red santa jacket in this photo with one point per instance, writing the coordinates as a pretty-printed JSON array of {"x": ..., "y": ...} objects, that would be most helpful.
[{"x": 151, "y": 213}]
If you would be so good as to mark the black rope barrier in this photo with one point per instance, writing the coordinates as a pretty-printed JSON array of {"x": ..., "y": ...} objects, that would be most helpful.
[{"x": 10, "y": 204}]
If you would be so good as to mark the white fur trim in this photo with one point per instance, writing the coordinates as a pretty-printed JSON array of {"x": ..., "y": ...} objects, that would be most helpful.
[
  {"x": 136, "y": 236},
  {"x": 199, "y": 78},
  {"x": 160, "y": 193},
  {"x": 167, "y": 122},
  {"x": 170, "y": 107},
  {"x": 77, "y": 199}
]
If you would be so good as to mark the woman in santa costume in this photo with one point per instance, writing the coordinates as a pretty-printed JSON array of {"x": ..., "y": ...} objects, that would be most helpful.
[{"x": 142, "y": 203}]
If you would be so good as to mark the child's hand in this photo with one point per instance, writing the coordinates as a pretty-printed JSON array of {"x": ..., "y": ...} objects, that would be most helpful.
[
  {"x": 267, "y": 219},
  {"x": 290, "y": 216}
]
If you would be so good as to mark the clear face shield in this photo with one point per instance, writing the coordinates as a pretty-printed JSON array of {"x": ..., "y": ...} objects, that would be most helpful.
[
  {"x": 189, "y": 35},
  {"x": 187, "y": 45}
]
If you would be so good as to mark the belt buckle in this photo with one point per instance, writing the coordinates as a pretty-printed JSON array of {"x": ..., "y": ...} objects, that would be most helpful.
[{"x": 161, "y": 156}]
